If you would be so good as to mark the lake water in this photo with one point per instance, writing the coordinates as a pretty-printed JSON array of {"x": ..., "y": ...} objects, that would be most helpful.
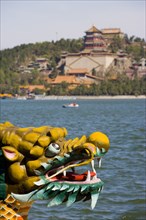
[{"x": 123, "y": 168}]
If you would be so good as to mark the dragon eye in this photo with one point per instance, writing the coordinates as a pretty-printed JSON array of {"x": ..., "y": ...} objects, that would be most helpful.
[
  {"x": 56, "y": 146},
  {"x": 52, "y": 150}
]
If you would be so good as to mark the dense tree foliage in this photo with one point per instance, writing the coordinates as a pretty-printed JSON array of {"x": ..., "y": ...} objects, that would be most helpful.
[
  {"x": 133, "y": 46},
  {"x": 116, "y": 44},
  {"x": 136, "y": 51}
]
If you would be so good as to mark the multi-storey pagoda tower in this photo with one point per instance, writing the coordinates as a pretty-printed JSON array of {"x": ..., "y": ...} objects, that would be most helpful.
[{"x": 94, "y": 40}]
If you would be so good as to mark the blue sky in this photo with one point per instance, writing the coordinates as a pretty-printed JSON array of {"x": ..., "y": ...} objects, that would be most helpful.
[{"x": 32, "y": 21}]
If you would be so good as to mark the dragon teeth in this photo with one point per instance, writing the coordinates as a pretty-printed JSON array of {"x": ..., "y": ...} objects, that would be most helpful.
[
  {"x": 88, "y": 177},
  {"x": 92, "y": 165},
  {"x": 64, "y": 173},
  {"x": 94, "y": 178},
  {"x": 94, "y": 198},
  {"x": 99, "y": 162}
]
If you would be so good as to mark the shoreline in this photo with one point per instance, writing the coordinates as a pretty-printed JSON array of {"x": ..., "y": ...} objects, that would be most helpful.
[
  {"x": 112, "y": 97},
  {"x": 39, "y": 97}
]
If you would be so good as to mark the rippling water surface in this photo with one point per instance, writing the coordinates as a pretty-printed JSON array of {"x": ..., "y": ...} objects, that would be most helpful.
[{"x": 123, "y": 167}]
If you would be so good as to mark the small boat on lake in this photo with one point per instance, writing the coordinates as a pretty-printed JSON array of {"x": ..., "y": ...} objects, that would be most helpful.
[
  {"x": 71, "y": 105},
  {"x": 30, "y": 97}
]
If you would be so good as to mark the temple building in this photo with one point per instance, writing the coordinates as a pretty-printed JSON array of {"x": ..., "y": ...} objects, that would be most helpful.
[
  {"x": 94, "y": 57},
  {"x": 95, "y": 60},
  {"x": 94, "y": 40}
]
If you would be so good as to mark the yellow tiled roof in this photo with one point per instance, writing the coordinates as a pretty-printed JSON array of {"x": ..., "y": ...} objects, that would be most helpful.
[
  {"x": 68, "y": 79},
  {"x": 93, "y": 29},
  {"x": 111, "y": 31}
]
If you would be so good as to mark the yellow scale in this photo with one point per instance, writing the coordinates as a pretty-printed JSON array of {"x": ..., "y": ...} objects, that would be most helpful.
[{"x": 11, "y": 209}]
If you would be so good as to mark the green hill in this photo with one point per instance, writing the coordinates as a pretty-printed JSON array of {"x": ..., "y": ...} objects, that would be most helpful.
[{"x": 12, "y": 59}]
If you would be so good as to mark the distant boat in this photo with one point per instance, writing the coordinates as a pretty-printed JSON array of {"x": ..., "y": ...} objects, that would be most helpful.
[
  {"x": 6, "y": 96},
  {"x": 71, "y": 105},
  {"x": 30, "y": 97}
]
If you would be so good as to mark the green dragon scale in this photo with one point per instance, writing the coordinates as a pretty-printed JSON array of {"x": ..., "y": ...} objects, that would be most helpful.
[{"x": 38, "y": 163}]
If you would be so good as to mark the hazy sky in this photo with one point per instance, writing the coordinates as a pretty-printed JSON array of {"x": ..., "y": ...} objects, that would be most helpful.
[{"x": 32, "y": 21}]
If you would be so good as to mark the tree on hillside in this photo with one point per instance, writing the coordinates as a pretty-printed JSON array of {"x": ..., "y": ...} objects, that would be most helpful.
[
  {"x": 116, "y": 44},
  {"x": 136, "y": 51}
]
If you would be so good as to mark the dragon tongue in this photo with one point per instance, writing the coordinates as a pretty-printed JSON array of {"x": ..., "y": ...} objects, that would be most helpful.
[{"x": 77, "y": 177}]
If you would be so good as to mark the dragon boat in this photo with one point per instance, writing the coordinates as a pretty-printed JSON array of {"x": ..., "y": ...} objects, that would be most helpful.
[{"x": 39, "y": 163}]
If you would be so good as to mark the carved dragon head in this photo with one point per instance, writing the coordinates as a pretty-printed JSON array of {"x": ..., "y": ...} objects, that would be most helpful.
[{"x": 39, "y": 163}]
